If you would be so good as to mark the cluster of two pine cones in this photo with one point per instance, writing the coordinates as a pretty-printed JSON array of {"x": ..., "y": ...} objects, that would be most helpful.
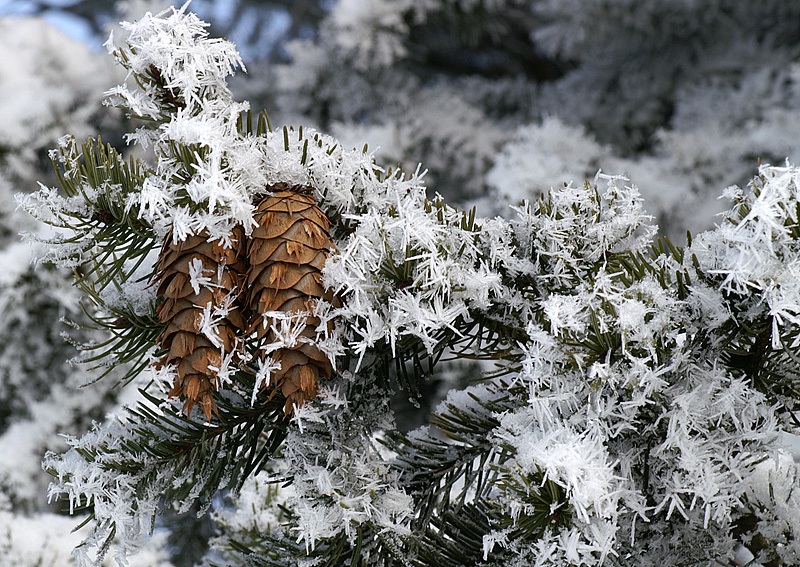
[{"x": 277, "y": 268}]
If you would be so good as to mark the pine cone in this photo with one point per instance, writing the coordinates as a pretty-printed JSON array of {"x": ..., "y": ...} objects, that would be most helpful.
[
  {"x": 196, "y": 349},
  {"x": 287, "y": 252}
]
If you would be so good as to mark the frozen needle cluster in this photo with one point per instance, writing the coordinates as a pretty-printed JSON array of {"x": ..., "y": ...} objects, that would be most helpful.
[{"x": 639, "y": 389}]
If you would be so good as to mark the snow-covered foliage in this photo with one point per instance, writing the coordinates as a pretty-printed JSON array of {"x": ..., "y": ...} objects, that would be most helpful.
[
  {"x": 642, "y": 389},
  {"x": 49, "y": 84},
  {"x": 42, "y": 396},
  {"x": 46, "y": 538},
  {"x": 35, "y": 374},
  {"x": 681, "y": 98},
  {"x": 456, "y": 153},
  {"x": 187, "y": 73},
  {"x": 542, "y": 156}
]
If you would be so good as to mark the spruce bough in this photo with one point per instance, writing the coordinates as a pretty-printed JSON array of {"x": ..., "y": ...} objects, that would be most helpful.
[{"x": 634, "y": 404}]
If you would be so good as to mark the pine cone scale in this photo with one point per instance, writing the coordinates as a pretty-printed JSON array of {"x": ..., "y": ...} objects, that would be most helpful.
[
  {"x": 298, "y": 229},
  {"x": 290, "y": 251},
  {"x": 282, "y": 276}
]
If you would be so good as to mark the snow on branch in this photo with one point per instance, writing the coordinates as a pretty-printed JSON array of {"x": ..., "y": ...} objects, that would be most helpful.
[{"x": 631, "y": 386}]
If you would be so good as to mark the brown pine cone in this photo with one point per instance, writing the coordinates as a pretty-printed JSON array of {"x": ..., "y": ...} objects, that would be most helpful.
[
  {"x": 287, "y": 252},
  {"x": 198, "y": 355}
]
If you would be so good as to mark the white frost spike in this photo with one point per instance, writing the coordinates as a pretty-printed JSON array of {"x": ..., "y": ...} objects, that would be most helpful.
[
  {"x": 212, "y": 315},
  {"x": 743, "y": 556},
  {"x": 264, "y": 371},
  {"x": 287, "y": 327},
  {"x": 198, "y": 277}
]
